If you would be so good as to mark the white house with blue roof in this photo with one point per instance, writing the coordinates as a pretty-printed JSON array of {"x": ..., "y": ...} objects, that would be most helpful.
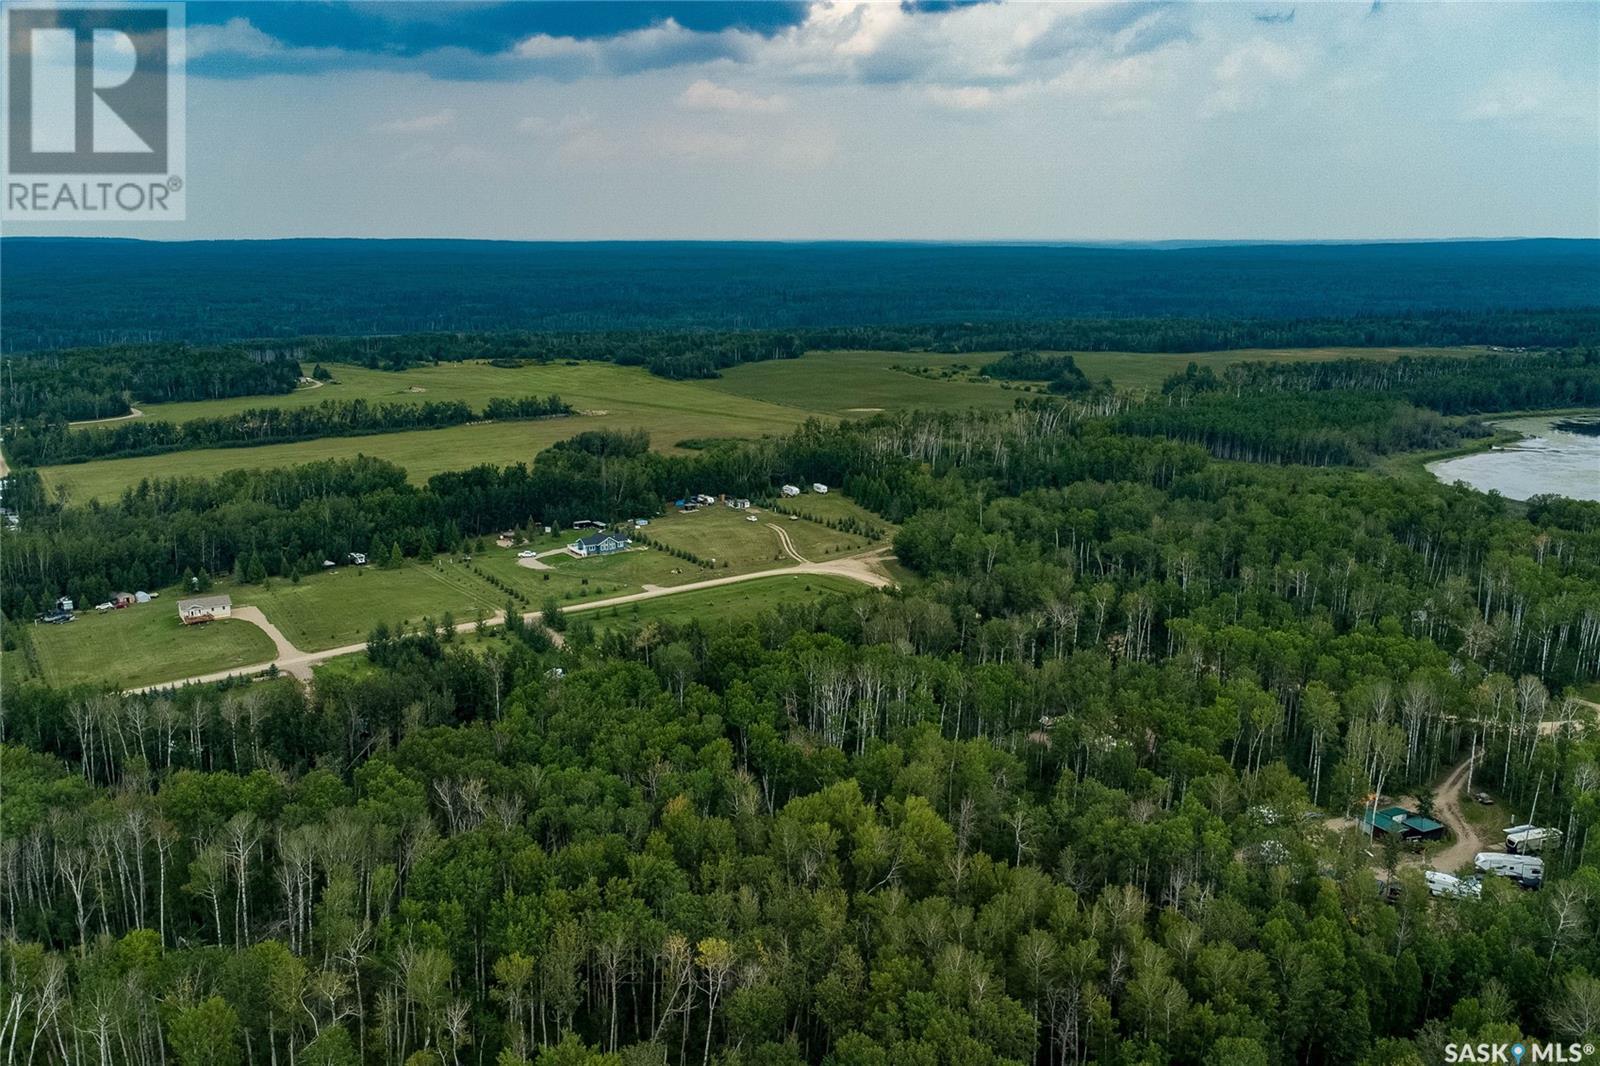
[{"x": 599, "y": 544}]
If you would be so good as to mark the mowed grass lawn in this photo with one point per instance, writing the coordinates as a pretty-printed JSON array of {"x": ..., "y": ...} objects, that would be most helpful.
[
  {"x": 611, "y": 396},
  {"x": 723, "y": 535},
  {"x": 143, "y": 645},
  {"x": 719, "y": 533},
  {"x": 835, "y": 506},
  {"x": 725, "y": 602},
  {"x": 341, "y": 606},
  {"x": 338, "y": 607},
  {"x": 570, "y": 578}
]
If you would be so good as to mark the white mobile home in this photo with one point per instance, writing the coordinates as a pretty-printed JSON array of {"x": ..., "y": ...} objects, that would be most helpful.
[{"x": 204, "y": 609}]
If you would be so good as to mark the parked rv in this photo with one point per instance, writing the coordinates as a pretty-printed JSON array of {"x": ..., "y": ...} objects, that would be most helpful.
[
  {"x": 1528, "y": 839},
  {"x": 1527, "y": 870},
  {"x": 1450, "y": 886}
]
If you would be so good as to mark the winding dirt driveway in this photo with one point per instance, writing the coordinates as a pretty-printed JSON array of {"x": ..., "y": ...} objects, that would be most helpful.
[
  {"x": 133, "y": 412},
  {"x": 1447, "y": 808},
  {"x": 864, "y": 568},
  {"x": 788, "y": 545}
]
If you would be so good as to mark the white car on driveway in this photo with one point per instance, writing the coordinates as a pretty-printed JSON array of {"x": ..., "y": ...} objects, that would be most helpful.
[{"x": 526, "y": 554}]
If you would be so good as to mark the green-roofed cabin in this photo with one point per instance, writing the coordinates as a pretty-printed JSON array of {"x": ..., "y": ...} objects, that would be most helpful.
[{"x": 1402, "y": 824}]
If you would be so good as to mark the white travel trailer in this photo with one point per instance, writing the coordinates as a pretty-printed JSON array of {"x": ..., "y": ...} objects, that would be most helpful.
[
  {"x": 1528, "y": 869},
  {"x": 1528, "y": 839},
  {"x": 1451, "y": 886},
  {"x": 819, "y": 488},
  {"x": 790, "y": 490}
]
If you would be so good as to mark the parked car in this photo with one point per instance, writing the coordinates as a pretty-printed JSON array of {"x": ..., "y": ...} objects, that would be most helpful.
[
  {"x": 526, "y": 554},
  {"x": 751, "y": 518},
  {"x": 103, "y": 606},
  {"x": 1483, "y": 798}
]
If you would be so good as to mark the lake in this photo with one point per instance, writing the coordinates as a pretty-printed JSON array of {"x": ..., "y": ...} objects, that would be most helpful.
[{"x": 1546, "y": 460}]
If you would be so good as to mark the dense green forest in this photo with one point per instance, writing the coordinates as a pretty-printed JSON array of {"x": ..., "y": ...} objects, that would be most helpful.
[
  {"x": 89, "y": 383},
  {"x": 36, "y": 444},
  {"x": 67, "y": 293},
  {"x": 1060, "y": 798},
  {"x": 1347, "y": 411},
  {"x": 1499, "y": 381},
  {"x": 1047, "y": 804}
]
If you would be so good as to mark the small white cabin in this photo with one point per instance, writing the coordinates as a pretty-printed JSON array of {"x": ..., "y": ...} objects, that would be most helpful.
[{"x": 204, "y": 609}]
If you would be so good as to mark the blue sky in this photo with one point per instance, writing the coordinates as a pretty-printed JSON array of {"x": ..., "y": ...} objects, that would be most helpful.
[{"x": 1017, "y": 121}]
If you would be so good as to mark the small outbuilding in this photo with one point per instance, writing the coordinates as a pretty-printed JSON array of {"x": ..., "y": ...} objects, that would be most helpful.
[{"x": 204, "y": 609}]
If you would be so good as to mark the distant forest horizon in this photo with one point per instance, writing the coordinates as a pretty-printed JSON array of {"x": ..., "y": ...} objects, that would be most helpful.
[{"x": 68, "y": 292}]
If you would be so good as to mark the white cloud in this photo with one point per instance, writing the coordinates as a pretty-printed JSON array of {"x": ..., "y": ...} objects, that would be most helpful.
[
  {"x": 238, "y": 37},
  {"x": 1161, "y": 120},
  {"x": 545, "y": 125},
  {"x": 963, "y": 97},
  {"x": 705, "y": 95},
  {"x": 419, "y": 123},
  {"x": 1533, "y": 97},
  {"x": 1252, "y": 75}
]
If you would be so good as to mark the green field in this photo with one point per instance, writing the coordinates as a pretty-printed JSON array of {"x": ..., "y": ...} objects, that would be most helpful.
[
  {"x": 862, "y": 383},
  {"x": 834, "y": 506},
  {"x": 731, "y": 601},
  {"x": 723, "y": 536},
  {"x": 338, "y": 607},
  {"x": 610, "y": 397},
  {"x": 752, "y": 400},
  {"x": 718, "y": 533},
  {"x": 143, "y": 645},
  {"x": 342, "y": 606},
  {"x": 854, "y": 383}
]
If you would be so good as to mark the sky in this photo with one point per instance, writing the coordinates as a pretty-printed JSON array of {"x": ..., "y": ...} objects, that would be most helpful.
[{"x": 894, "y": 121}]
